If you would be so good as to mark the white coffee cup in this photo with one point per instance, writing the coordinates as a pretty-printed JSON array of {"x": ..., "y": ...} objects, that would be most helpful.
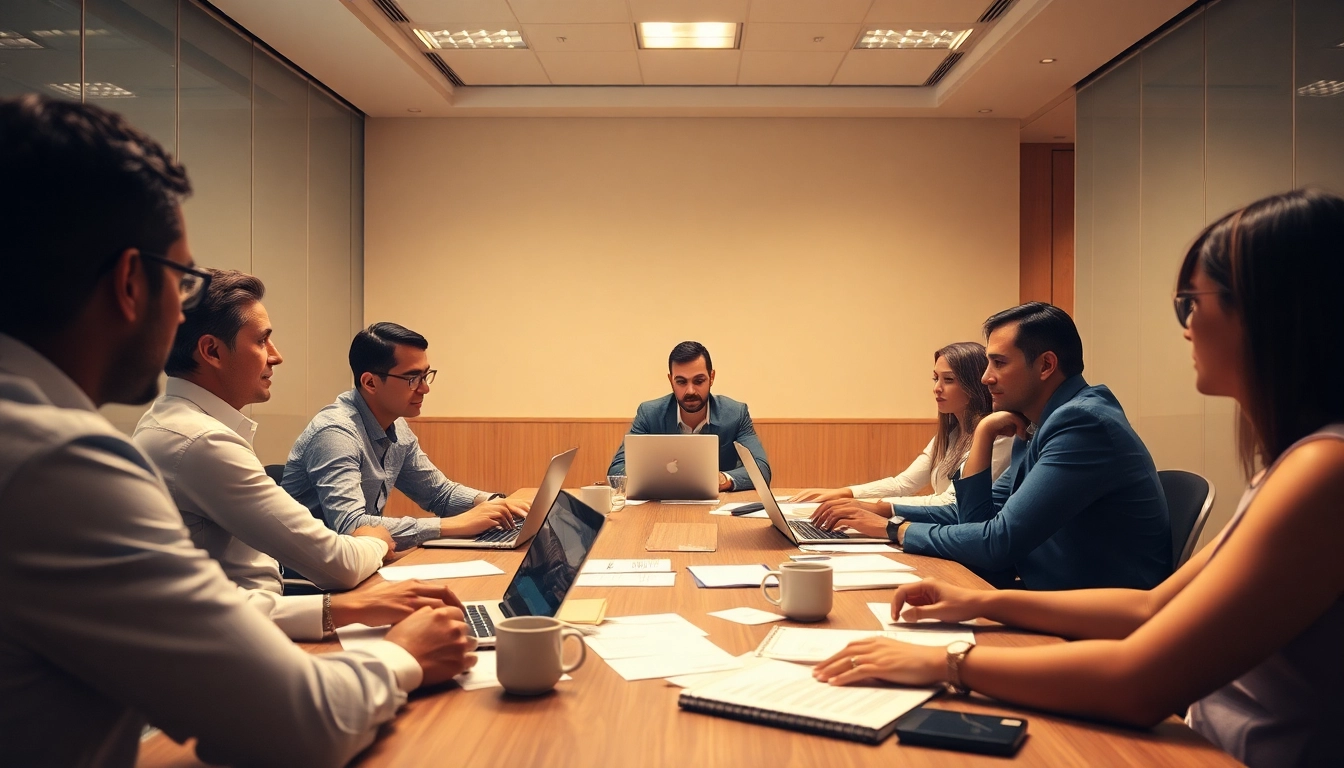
[
  {"x": 805, "y": 592},
  {"x": 528, "y": 658},
  {"x": 596, "y": 496}
]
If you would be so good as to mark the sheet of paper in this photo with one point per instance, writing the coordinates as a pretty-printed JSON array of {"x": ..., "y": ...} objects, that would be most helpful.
[
  {"x": 749, "y": 616},
  {"x": 694, "y": 655},
  {"x": 871, "y": 580},
  {"x": 626, "y": 580},
  {"x": 800, "y": 511},
  {"x": 855, "y": 563},
  {"x": 939, "y": 638},
  {"x": 637, "y": 565},
  {"x": 809, "y": 646},
  {"x": 650, "y": 622},
  {"x": 748, "y": 659},
  {"x": 354, "y": 636},
  {"x": 882, "y": 611},
  {"x": 717, "y": 576},
  {"x": 847, "y": 549},
  {"x": 439, "y": 571},
  {"x": 635, "y": 502},
  {"x": 484, "y": 674}
]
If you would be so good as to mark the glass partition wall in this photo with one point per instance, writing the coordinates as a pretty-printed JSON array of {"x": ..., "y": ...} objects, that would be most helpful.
[{"x": 275, "y": 159}]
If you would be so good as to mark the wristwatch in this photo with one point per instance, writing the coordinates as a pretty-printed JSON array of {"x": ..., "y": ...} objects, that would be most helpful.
[
  {"x": 956, "y": 654},
  {"x": 894, "y": 525}
]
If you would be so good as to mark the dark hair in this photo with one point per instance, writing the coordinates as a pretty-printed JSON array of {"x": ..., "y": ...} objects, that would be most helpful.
[
  {"x": 374, "y": 349},
  {"x": 82, "y": 187},
  {"x": 968, "y": 362},
  {"x": 1043, "y": 328},
  {"x": 221, "y": 314},
  {"x": 689, "y": 352},
  {"x": 1279, "y": 264}
]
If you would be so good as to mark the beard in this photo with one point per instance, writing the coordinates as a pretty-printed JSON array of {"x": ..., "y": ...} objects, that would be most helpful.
[
  {"x": 694, "y": 406},
  {"x": 135, "y": 379}
]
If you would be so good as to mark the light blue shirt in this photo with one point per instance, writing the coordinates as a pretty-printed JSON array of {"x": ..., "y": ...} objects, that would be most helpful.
[{"x": 344, "y": 465}]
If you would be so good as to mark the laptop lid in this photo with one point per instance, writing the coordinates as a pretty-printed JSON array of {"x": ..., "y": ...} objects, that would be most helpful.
[
  {"x": 551, "y": 483},
  {"x": 767, "y": 496},
  {"x": 553, "y": 559},
  {"x": 672, "y": 467}
]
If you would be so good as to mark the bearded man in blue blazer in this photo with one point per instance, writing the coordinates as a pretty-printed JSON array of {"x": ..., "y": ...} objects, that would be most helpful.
[{"x": 691, "y": 409}]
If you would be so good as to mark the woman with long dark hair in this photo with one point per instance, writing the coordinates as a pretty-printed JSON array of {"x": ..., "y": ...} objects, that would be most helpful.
[
  {"x": 962, "y": 401},
  {"x": 1250, "y": 629}
]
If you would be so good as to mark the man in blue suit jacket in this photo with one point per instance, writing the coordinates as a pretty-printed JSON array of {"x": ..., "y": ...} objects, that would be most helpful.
[
  {"x": 692, "y": 410},
  {"x": 1080, "y": 506}
]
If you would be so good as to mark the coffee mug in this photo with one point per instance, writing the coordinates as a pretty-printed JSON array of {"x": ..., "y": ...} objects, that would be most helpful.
[
  {"x": 805, "y": 592},
  {"x": 596, "y": 496},
  {"x": 528, "y": 653}
]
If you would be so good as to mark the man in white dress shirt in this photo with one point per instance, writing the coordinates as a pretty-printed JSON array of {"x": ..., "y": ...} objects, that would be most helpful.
[{"x": 111, "y": 616}]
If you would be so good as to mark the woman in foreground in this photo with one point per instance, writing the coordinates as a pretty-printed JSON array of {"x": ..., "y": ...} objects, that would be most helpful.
[{"x": 1251, "y": 629}]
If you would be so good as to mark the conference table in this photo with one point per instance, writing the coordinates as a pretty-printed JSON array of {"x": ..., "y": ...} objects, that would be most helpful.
[{"x": 600, "y": 719}]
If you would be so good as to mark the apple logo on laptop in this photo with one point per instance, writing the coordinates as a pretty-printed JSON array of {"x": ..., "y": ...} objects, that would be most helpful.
[{"x": 672, "y": 467}]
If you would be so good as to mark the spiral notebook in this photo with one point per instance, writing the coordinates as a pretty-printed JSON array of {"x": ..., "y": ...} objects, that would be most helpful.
[{"x": 785, "y": 695}]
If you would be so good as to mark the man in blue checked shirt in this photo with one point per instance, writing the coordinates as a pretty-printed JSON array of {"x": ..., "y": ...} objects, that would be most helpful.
[
  {"x": 1080, "y": 506},
  {"x": 357, "y": 449}
]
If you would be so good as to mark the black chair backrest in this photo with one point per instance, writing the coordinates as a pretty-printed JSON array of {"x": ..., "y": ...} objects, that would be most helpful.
[
  {"x": 1189, "y": 499},
  {"x": 276, "y": 472}
]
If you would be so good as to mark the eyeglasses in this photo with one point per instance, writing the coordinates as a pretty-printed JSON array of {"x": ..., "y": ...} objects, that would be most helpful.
[
  {"x": 1184, "y": 303},
  {"x": 413, "y": 379},
  {"x": 191, "y": 288}
]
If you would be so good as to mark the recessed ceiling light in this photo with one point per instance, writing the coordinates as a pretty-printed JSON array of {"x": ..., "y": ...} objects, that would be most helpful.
[
  {"x": 69, "y": 32},
  {"x": 702, "y": 34},
  {"x": 15, "y": 40},
  {"x": 986, "y": 111},
  {"x": 1322, "y": 88},
  {"x": 1048, "y": 61},
  {"x": 92, "y": 90},
  {"x": 912, "y": 38},
  {"x": 464, "y": 39}
]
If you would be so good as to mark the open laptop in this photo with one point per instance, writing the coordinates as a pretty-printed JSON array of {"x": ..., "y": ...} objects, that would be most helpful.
[
  {"x": 548, "y": 570},
  {"x": 512, "y": 538},
  {"x": 672, "y": 467},
  {"x": 796, "y": 531}
]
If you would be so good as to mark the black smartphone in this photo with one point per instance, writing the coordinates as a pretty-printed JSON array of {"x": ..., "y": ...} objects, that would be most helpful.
[{"x": 963, "y": 731}]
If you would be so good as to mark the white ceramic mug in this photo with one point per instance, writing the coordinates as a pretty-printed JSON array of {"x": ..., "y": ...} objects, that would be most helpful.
[
  {"x": 528, "y": 653},
  {"x": 596, "y": 496},
  {"x": 805, "y": 590}
]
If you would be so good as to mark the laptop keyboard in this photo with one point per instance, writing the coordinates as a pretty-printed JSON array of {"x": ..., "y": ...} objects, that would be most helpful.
[
  {"x": 502, "y": 535},
  {"x": 478, "y": 618},
  {"x": 806, "y": 530}
]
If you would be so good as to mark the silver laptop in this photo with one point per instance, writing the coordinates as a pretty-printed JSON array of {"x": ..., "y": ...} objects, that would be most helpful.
[
  {"x": 796, "y": 531},
  {"x": 512, "y": 538},
  {"x": 548, "y": 570},
  {"x": 672, "y": 467}
]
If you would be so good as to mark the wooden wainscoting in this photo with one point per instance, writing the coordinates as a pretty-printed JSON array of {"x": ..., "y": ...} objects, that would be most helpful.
[{"x": 505, "y": 454}]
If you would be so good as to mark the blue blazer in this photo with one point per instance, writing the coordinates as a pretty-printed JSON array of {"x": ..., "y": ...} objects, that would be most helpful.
[
  {"x": 1080, "y": 506},
  {"x": 728, "y": 419}
]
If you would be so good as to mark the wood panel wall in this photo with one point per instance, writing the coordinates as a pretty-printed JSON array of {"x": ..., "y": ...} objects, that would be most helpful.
[
  {"x": 505, "y": 454},
  {"x": 1046, "y": 230}
]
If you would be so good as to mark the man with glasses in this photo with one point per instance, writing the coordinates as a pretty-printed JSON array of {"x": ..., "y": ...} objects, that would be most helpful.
[
  {"x": 357, "y": 449},
  {"x": 111, "y": 617}
]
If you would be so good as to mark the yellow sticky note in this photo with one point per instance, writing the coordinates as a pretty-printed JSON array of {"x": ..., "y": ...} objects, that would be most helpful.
[{"x": 587, "y": 611}]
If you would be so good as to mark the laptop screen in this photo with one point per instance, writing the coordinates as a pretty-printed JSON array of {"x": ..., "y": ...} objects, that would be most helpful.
[{"x": 553, "y": 559}]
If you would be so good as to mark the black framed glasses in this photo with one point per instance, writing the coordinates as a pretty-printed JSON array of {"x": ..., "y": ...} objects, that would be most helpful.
[
  {"x": 1184, "y": 303},
  {"x": 413, "y": 379},
  {"x": 191, "y": 288}
]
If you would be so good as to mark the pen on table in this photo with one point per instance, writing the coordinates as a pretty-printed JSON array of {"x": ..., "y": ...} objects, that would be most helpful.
[{"x": 804, "y": 558}]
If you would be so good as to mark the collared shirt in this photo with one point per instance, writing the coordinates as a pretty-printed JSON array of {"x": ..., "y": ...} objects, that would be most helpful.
[
  {"x": 1080, "y": 506},
  {"x": 923, "y": 472},
  {"x": 698, "y": 428},
  {"x": 234, "y": 511},
  {"x": 344, "y": 464},
  {"x": 111, "y": 616}
]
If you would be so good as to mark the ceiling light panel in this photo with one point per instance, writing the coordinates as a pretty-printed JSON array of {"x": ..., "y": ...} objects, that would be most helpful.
[
  {"x": 700, "y": 34},
  {"x": 935, "y": 39},
  {"x": 11, "y": 40},
  {"x": 1322, "y": 88},
  {"x": 457, "y": 38},
  {"x": 92, "y": 90}
]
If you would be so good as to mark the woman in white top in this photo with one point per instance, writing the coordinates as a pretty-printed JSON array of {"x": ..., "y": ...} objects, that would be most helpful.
[
  {"x": 962, "y": 402},
  {"x": 1251, "y": 629}
]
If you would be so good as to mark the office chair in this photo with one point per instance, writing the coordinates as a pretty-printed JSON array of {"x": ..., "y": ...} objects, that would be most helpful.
[
  {"x": 1189, "y": 499},
  {"x": 293, "y": 582}
]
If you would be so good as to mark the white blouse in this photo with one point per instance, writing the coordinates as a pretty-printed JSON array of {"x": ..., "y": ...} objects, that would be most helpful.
[{"x": 922, "y": 472}]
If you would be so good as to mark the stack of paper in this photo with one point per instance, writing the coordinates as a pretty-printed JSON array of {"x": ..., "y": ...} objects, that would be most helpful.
[
  {"x": 810, "y": 646},
  {"x": 439, "y": 571},
  {"x": 872, "y": 580},
  {"x": 717, "y": 576},
  {"x": 855, "y": 563},
  {"x": 640, "y": 572},
  {"x": 657, "y": 645},
  {"x": 800, "y": 511}
]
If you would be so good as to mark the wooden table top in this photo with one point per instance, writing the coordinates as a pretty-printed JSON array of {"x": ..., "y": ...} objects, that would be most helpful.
[{"x": 599, "y": 719}]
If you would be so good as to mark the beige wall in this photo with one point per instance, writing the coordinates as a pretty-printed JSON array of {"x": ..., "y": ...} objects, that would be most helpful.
[{"x": 553, "y": 263}]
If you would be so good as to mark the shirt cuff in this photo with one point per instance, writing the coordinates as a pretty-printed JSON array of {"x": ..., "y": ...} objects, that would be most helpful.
[
  {"x": 400, "y": 661},
  {"x": 428, "y": 528},
  {"x": 300, "y": 617}
]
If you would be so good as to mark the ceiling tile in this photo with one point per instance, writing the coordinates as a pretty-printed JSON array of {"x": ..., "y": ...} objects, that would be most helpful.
[
  {"x": 799, "y": 37},
  {"x": 788, "y": 67},
  {"x": 473, "y": 11},
  {"x": 822, "y": 11},
  {"x": 866, "y": 67},
  {"x": 570, "y": 11},
  {"x": 884, "y": 11},
  {"x": 496, "y": 67},
  {"x": 591, "y": 68},
  {"x": 688, "y": 10},
  {"x": 689, "y": 67},
  {"x": 580, "y": 37}
]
